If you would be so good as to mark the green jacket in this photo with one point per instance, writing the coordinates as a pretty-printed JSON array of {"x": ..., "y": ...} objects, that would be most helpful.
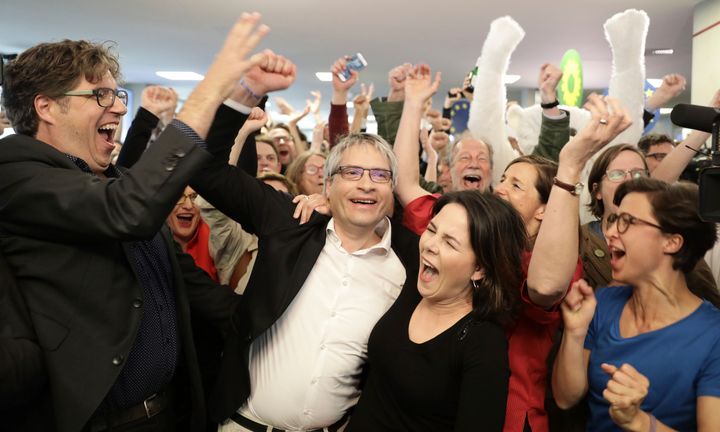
[{"x": 554, "y": 134}]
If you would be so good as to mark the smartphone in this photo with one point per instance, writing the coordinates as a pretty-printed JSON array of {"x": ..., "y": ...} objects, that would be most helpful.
[
  {"x": 356, "y": 63},
  {"x": 470, "y": 77}
]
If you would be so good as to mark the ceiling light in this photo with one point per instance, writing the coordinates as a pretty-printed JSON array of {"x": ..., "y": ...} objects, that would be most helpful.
[
  {"x": 510, "y": 79},
  {"x": 324, "y": 76},
  {"x": 663, "y": 51},
  {"x": 180, "y": 76},
  {"x": 655, "y": 82}
]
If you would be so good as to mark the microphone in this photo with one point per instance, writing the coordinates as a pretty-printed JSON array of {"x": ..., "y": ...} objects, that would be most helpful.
[{"x": 695, "y": 117}]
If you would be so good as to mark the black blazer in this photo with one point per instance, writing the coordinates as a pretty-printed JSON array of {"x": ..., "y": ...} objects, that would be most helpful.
[
  {"x": 63, "y": 232},
  {"x": 286, "y": 254},
  {"x": 22, "y": 372}
]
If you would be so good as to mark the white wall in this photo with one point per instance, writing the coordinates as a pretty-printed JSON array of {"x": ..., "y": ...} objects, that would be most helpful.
[{"x": 705, "y": 52}]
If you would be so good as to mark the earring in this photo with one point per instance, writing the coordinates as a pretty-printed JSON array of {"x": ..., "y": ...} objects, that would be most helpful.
[{"x": 475, "y": 284}]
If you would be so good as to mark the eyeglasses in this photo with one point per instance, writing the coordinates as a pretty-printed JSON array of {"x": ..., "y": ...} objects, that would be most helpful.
[
  {"x": 624, "y": 220},
  {"x": 618, "y": 175},
  {"x": 312, "y": 169},
  {"x": 105, "y": 96},
  {"x": 657, "y": 156},
  {"x": 355, "y": 173},
  {"x": 191, "y": 196},
  {"x": 282, "y": 139}
]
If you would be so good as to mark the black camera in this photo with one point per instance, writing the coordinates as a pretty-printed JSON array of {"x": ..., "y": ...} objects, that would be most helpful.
[{"x": 708, "y": 120}]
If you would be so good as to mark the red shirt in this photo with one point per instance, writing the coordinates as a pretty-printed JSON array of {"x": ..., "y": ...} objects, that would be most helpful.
[
  {"x": 530, "y": 340},
  {"x": 198, "y": 248}
]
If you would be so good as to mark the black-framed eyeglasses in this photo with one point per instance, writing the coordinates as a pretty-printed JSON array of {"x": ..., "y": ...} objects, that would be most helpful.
[
  {"x": 191, "y": 196},
  {"x": 355, "y": 173},
  {"x": 624, "y": 220},
  {"x": 657, "y": 156},
  {"x": 618, "y": 175},
  {"x": 105, "y": 96}
]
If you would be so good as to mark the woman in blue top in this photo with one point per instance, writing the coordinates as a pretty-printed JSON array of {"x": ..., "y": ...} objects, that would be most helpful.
[{"x": 649, "y": 358}]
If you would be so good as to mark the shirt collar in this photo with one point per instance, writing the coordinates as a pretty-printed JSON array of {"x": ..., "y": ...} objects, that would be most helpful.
[
  {"x": 111, "y": 171},
  {"x": 382, "y": 229}
]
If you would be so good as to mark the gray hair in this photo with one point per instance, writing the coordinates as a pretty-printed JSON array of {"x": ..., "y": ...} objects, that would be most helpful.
[
  {"x": 332, "y": 163},
  {"x": 465, "y": 136}
]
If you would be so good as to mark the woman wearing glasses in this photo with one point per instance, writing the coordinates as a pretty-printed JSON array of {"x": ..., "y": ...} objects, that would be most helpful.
[
  {"x": 430, "y": 394},
  {"x": 306, "y": 171},
  {"x": 647, "y": 353},
  {"x": 614, "y": 167}
]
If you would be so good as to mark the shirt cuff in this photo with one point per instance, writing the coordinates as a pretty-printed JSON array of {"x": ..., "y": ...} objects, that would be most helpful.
[
  {"x": 189, "y": 132},
  {"x": 560, "y": 116},
  {"x": 237, "y": 106}
]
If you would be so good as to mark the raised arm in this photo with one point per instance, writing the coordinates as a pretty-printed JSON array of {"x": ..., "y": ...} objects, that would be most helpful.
[
  {"x": 361, "y": 106},
  {"x": 234, "y": 192},
  {"x": 419, "y": 87},
  {"x": 486, "y": 118},
  {"x": 229, "y": 66},
  {"x": 675, "y": 162},
  {"x": 671, "y": 87},
  {"x": 156, "y": 103},
  {"x": 135, "y": 205},
  {"x": 388, "y": 110},
  {"x": 555, "y": 253},
  {"x": 555, "y": 123},
  {"x": 255, "y": 121},
  {"x": 338, "y": 121}
]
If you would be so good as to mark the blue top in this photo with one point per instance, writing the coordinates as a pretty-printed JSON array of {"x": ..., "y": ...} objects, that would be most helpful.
[{"x": 681, "y": 361}]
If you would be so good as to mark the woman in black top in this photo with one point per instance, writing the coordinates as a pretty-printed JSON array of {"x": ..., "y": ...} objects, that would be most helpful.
[{"x": 438, "y": 358}]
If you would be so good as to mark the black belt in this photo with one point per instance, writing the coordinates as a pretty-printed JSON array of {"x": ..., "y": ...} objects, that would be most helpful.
[
  {"x": 146, "y": 409},
  {"x": 259, "y": 427}
]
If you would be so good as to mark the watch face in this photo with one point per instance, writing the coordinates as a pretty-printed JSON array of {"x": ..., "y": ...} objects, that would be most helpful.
[{"x": 578, "y": 189}]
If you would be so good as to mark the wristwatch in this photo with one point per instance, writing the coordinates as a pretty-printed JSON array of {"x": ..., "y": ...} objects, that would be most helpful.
[
  {"x": 574, "y": 189},
  {"x": 550, "y": 104}
]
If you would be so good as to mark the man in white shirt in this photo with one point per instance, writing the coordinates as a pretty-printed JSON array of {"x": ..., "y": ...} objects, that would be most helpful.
[{"x": 316, "y": 290}]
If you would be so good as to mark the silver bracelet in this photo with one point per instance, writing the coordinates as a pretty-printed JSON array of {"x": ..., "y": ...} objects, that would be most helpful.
[{"x": 249, "y": 90}]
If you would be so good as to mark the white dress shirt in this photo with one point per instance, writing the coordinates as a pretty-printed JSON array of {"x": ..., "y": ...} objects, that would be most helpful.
[{"x": 304, "y": 370}]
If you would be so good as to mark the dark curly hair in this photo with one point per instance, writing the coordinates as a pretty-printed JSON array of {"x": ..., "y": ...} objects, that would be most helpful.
[{"x": 51, "y": 69}]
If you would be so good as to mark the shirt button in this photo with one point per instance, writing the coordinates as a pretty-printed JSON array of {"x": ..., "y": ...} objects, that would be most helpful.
[
  {"x": 332, "y": 314},
  {"x": 137, "y": 303},
  {"x": 118, "y": 360},
  {"x": 345, "y": 283},
  {"x": 322, "y": 347},
  {"x": 314, "y": 381},
  {"x": 180, "y": 153}
]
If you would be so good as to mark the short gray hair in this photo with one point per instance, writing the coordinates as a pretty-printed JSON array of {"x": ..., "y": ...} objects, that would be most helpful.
[
  {"x": 333, "y": 160},
  {"x": 465, "y": 136}
]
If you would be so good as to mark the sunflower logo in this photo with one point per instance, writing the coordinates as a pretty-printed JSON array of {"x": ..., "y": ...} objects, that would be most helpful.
[{"x": 570, "y": 89}]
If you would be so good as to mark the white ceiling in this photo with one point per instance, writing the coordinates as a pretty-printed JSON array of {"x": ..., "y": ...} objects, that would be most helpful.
[{"x": 183, "y": 35}]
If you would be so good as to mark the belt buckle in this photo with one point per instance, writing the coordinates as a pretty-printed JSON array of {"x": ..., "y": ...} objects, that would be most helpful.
[{"x": 150, "y": 410}]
